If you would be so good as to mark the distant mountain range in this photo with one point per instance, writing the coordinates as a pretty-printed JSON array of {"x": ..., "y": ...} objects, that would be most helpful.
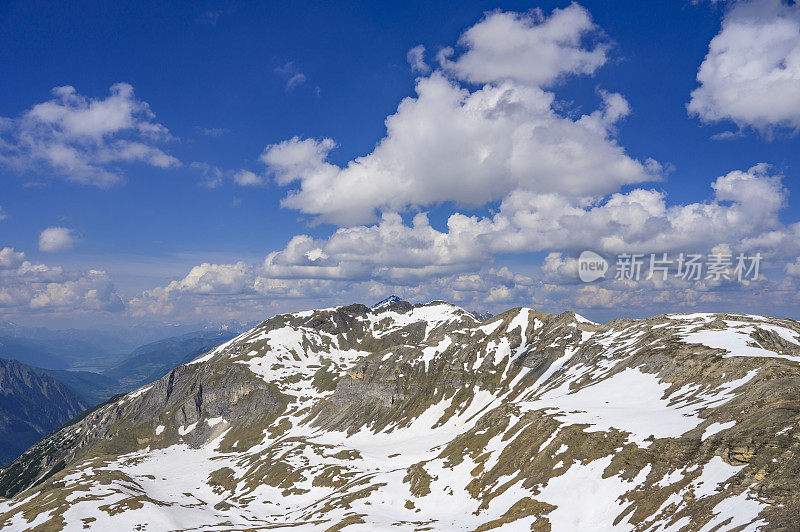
[
  {"x": 152, "y": 361},
  {"x": 95, "y": 350},
  {"x": 38, "y": 393},
  {"x": 30, "y": 352},
  {"x": 32, "y": 404}
]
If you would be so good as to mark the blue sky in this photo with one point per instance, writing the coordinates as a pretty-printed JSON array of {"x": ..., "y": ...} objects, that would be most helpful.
[{"x": 225, "y": 108}]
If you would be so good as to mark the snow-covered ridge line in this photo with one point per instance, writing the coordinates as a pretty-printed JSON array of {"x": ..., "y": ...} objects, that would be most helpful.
[{"x": 412, "y": 415}]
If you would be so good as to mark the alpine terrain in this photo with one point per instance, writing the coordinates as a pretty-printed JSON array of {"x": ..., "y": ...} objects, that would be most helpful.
[
  {"x": 32, "y": 404},
  {"x": 423, "y": 417}
]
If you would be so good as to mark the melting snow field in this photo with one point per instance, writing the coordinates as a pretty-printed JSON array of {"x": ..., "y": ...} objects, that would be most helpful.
[
  {"x": 714, "y": 428},
  {"x": 737, "y": 341},
  {"x": 630, "y": 401},
  {"x": 585, "y": 500}
]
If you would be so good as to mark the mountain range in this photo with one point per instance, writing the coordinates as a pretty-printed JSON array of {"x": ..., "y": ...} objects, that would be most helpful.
[
  {"x": 424, "y": 417},
  {"x": 31, "y": 405},
  {"x": 35, "y": 400},
  {"x": 120, "y": 372},
  {"x": 94, "y": 350}
]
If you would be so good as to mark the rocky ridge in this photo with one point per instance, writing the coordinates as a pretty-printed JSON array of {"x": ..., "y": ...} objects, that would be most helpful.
[{"x": 424, "y": 417}]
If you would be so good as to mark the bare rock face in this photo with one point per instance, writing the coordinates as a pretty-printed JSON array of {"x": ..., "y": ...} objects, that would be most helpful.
[{"x": 423, "y": 417}]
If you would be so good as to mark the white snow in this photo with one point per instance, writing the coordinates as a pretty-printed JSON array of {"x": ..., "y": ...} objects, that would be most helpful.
[
  {"x": 429, "y": 353},
  {"x": 715, "y": 428},
  {"x": 630, "y": 401},
  {"x": 714, "y": 473},
  {"x": 585, "y": 500},
  {"x": 734, "y": 341},
  {"x": 184, "y": 430}
]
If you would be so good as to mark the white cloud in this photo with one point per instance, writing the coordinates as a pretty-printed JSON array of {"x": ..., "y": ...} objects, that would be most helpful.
[
  {"x": 416, "y": 59},
  {"x": 557, "y": 268},
  {"x": 9, "y": 258},
  {"x": 54, "y": 239},
  {"x": 3, "y": 213},
  {"x": 529, "y": 48},
  {"x": 294, "y": 158},
  {"x": 389, "y": 251},
  {"x": 793, "y": 268},
  {"x": 226, "y": 289},
  {"x": 745, "y": 206},
  {"x": 235, "y": 289},
  {"x": 457, "y": 263},
  {"x": 743, "y": 211},
  {"x": 84, "y": 139},
  {"x": 246, "y": 178},
  {"x": 213, "y": 131},
  {"x": 294, "y": 81},
  {"x": 294, "y": 77},
  {"x": 211, "y": 176},
  {"x": 751, "y": 74},
  {"x": 27, "y": 287},
  {"x": 470, "y": 148}
]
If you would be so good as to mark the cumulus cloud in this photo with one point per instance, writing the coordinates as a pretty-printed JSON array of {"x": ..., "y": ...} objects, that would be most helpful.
[
  {"x": 9, "y": 258},
  {"x": 458, "y": 262},
  {"x": 751, "y": 74},
  {"x": 416, "y": 59},
  {"x": 26, "y": 286},
  {"x": 85, "y": 139},
  {"x": 449, "y": 144},
  {"x": 529, "y": 48},
  {"x": 218, "y": 286},
  {"x": 471, "y": 146},
  {"x": 793, "y": 268},
  {"x": 212, "y": 176},
  {"x": 389, "y": 251},
  {"x": 231, "y": 289},
  {"x": 743, "y": 210},
  {"x": 55, "y": 239},
  {"x": 3, "y": 214}
]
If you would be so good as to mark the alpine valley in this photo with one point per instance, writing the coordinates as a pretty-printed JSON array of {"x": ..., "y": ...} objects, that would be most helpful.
[{"x": 425, "y": 417}]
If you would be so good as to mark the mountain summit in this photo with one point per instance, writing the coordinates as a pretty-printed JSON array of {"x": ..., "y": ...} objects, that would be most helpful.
[
  {"x": 420, "y": 417},
  {"x": 383, "y": 303}
]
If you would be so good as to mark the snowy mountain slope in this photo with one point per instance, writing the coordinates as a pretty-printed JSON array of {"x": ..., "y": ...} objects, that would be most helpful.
[{"x": 422, "y": 417}]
